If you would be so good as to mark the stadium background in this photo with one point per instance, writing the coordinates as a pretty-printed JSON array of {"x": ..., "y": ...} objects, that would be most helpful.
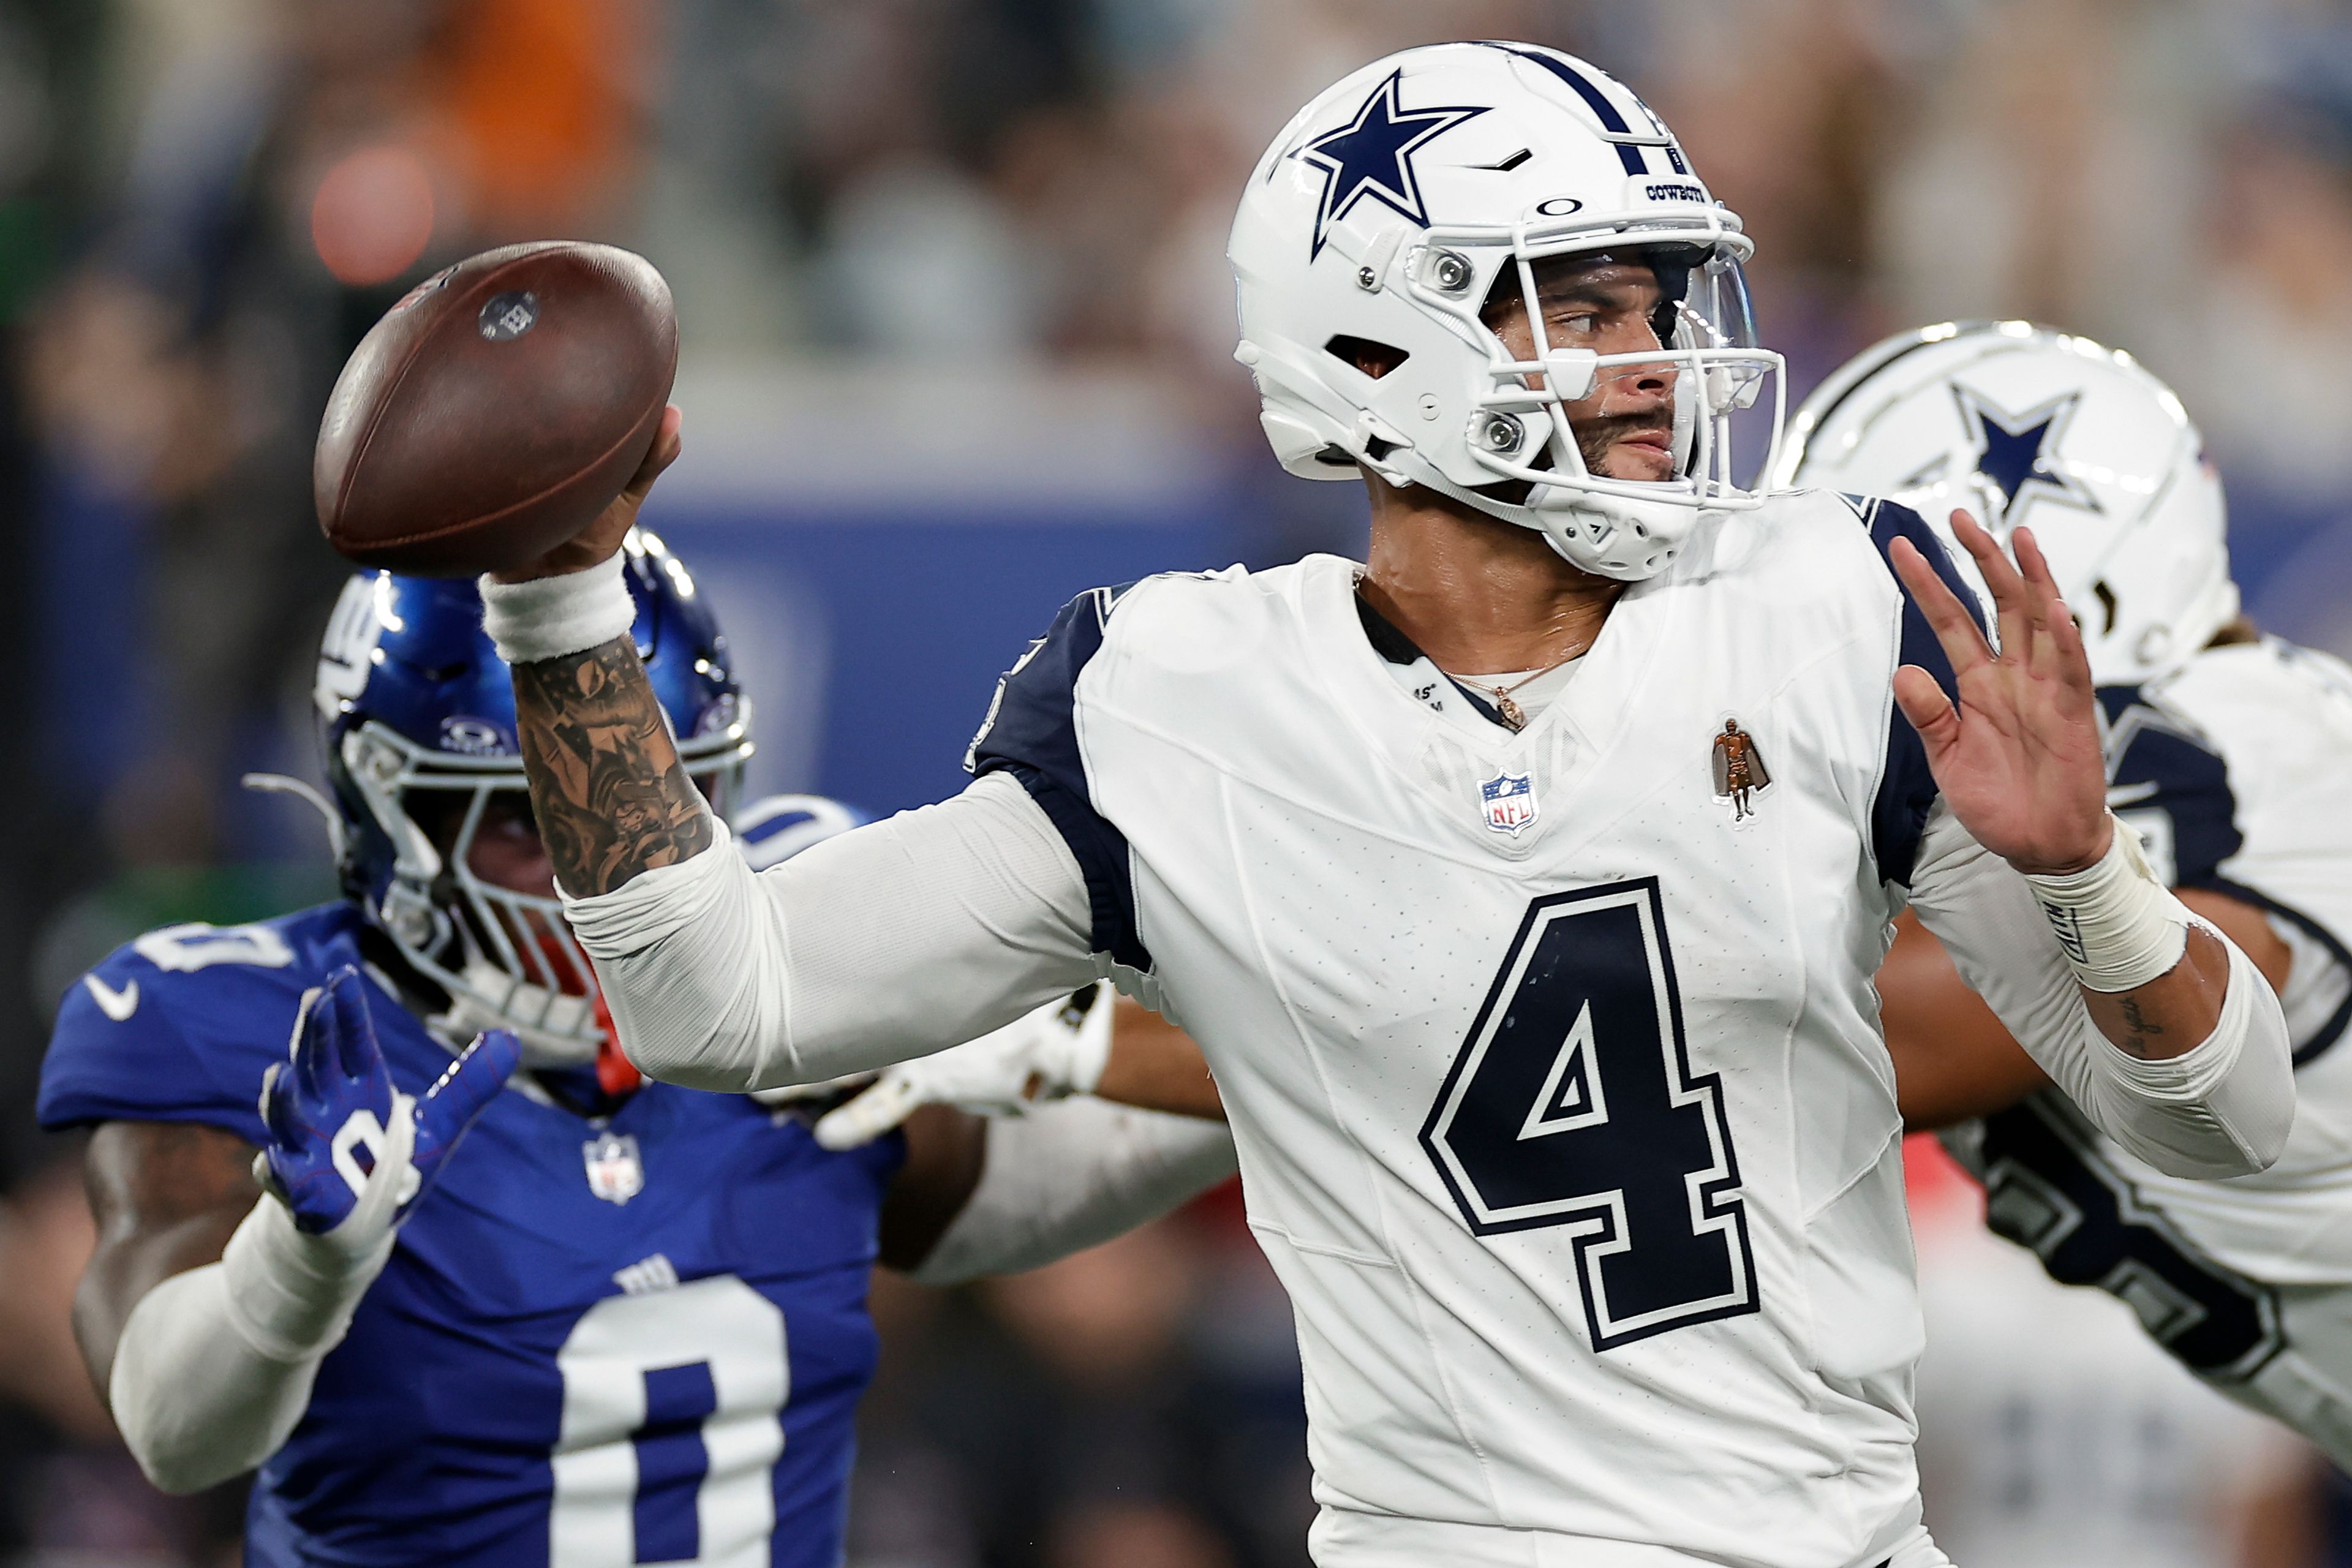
[{"x": 956, "y": 337}]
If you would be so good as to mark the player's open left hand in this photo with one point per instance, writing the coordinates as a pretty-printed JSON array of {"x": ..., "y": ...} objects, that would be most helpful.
[
  {"x": 347, "y": 1152},
  {"x": 603, "y": 536},
  {"x": 2018, "y": 756}
]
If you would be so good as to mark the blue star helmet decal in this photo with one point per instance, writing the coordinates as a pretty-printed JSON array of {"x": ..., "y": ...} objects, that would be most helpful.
[
  {"x": 1372, "y": 156},
  {"x": 2018, "y": 452}
]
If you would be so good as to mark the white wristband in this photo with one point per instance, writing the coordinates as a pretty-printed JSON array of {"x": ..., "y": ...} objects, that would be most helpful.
[
  {"x": 548, "y": 617},
  {"x": 2118, "y": 925}
]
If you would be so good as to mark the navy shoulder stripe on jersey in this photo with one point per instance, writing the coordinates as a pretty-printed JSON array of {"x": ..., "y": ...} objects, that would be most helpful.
[
  {"x": 1906, "y": 790},
  {"x": 2157, "y": 760},
  {"x": 1031, "y": 732},
  {"x": 2324, "y": 1038}
]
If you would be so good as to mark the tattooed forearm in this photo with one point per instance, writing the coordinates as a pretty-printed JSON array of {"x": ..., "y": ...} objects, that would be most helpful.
[
  {"x": 2170, "y": 1014},
  {"x": 2144, "y": 1029},
  {"x": 611, "y": 797}
]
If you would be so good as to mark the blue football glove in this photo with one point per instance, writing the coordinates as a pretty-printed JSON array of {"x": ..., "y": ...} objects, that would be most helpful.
[{"x": 347, "y": 1152}]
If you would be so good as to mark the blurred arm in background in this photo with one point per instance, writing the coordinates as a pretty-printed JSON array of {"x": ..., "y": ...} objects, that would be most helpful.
[{"x": 1953, "y": 1060}]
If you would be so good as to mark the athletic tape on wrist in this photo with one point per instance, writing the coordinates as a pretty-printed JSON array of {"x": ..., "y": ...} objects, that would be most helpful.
[
  {"x": 290, "y": 1296},
  {"x": 549, "y": 618},
  {"x": 291, "y": 1293},
  {"x": 2117, "y": 923}
]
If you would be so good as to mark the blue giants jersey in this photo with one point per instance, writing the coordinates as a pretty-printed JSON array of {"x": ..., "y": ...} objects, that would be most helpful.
[{"x": 637, "y": 1339}]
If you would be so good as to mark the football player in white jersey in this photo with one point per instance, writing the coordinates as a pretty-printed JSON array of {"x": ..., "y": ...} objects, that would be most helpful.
[
  {"x": 2230, "y": 752},
  {"x": 1523, "y": 885}
]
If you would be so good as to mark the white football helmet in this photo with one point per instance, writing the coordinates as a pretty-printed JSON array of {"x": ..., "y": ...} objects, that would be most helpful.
[
  {"x": 1386, "y": 214},
  {"x": 2020, "y": 423}
]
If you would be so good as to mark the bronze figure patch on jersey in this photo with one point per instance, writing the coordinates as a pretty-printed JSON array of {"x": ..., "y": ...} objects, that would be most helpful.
[{"x": 1739, "y": 769}]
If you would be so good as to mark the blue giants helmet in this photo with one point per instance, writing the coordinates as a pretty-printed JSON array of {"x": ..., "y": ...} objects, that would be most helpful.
[{"x": 417, "y": 714}]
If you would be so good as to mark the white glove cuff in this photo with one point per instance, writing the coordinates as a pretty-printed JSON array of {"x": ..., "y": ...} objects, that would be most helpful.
[
  {"x": 549, "y": 618},
  {"x": 2118, "y": 925}
]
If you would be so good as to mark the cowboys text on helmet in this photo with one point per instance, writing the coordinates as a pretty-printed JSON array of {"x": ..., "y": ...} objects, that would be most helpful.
[{"x": 1397, "y": 210}]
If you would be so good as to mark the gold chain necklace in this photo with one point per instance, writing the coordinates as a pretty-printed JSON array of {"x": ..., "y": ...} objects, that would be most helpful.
[{"x": 1515, "y": 718}]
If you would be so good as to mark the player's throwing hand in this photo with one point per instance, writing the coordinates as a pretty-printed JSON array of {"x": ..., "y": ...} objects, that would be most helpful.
[
  {"x": 348, "y": 1152},
  {"x": 2018, "y": 757}
]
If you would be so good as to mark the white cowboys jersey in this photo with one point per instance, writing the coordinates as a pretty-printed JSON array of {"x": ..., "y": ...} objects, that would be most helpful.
[
  {"x": 1552, "y": 1057},
  {"x": 2237, "y": 770}
]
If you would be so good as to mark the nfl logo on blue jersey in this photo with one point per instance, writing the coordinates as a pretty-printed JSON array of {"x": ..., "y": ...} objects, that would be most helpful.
[
  {"x": 616, "y": 1174},
  {"x": 1510, "y": 801}
]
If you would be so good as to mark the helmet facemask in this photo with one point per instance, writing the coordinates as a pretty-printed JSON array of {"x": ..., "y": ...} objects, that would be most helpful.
[
  {"x": 1388, "y": 211},
  {"x": 507, "y": 959},
  {"x": 1522, "y": 430}
]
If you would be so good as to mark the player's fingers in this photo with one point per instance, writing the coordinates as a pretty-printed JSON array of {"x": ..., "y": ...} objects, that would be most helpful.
[
  {"x": 2013, "y": 602},
  {"x": 868, "y": 1116},
  {"x": 2033, "y": 566},
  {"x": 316, "y": 1052},
  {"x": 2054, "y": 620},
  {"x": 2071, "y": 658},
  {"x": 350, "y": 1032},
  {"x": 1929, "y": 710},
  {"x": 473, "y": 1080},
  {"x": 2039, "y": 589},
  {"x": 2043, "y": 662},
  {"x": 276, "y": 1107},
  {"x": 1999, "y": 572},
  {"x": 1964, "y": 642},
  {"x": 669, "y": 442}
]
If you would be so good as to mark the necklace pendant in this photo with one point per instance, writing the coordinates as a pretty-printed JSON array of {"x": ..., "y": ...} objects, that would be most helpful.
[{"x": 1513, "y": 714}]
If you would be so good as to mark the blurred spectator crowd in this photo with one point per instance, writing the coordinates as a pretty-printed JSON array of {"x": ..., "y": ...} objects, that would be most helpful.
[{"x": 205, "y": 203}]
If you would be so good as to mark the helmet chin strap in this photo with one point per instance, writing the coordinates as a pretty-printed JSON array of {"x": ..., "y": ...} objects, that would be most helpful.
[{"x": 1611, "y": 524}]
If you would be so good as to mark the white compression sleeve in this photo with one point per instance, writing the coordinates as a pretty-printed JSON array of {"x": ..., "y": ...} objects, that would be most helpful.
[
  {"x": 1070, "y": 1176},
  {"x": 887, "y": 942},
  {"x": 214, "y": 1365},
  {"x": 2222, "y": 1108}
]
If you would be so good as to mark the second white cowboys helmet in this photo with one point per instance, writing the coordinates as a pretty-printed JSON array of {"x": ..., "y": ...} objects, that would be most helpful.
[
  {"x": 1385, "y": 216},
  {"x": 2020, "y": 423}
]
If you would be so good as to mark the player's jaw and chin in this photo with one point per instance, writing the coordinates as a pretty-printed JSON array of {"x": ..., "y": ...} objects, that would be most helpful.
[{"x": 1605, "y": 302}]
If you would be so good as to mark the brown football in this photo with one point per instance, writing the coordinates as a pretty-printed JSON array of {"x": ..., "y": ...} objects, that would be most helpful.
[{"x": 497, "y": 409}]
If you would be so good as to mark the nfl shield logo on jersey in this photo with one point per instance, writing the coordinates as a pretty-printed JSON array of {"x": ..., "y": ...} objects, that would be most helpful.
[
  {"x": 1510, "y": 802},
  {"x": 614, "y": 1171}
]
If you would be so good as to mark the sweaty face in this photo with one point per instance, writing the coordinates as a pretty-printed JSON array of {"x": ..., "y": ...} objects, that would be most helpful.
[{"x": 1624, "y": 429}]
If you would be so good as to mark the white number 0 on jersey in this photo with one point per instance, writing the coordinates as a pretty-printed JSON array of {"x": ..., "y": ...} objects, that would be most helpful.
[{"x": 716, "y": 1337}]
